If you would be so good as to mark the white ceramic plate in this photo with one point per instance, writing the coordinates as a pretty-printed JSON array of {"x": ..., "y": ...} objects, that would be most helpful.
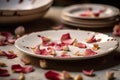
[
  {"x": 31, "y": 40},
  {"x": 75, "y": 11},
  {"x": 87, "y": 25}
]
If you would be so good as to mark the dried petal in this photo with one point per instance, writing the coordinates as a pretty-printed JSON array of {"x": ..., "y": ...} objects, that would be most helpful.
[
  {"x": 109, "y": 75},
  {"x": 2, "y": 64},
  {"x": 11, "y": 40},
  {"x": 95, "y": 47},
  {"x": 3, "y": 72},
  {"x": 52, "y": 75},
  {"x": 89, "y": 52},
  {"x": 26, "y": 61},
  {"x": 80, "y": 45},
  {"x": 116, "y": 30},
  {"x": 78, "y": 77},
  {"x": 2, "y": 40},
  {"x": 43, "y": 64},
  {"x": 65, "y": 37},
  {"x": 17, "y": 68},
  {"x": 20, "y": 30},
  {"x": 11, "y": 55},
  {"x": 68, "y": 41},
  {"x": 21, "y": 77},
  {"x": 6, "y": 34},
  {"x": 66, "y": 75},
  {"x": 45, "y": 40},
  {"x": 88, "y": 72},
  {"x": 27, "y": 69},
  {"x": 91, "y": 39}
]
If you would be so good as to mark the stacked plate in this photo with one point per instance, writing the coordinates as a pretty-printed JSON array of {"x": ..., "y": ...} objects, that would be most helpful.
[
  {"x": 90, "y": 15},
  {"x": 12, "y": 11}
]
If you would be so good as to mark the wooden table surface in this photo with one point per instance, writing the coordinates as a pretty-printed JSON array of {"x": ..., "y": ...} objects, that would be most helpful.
[{"x": 51, "y": 19}]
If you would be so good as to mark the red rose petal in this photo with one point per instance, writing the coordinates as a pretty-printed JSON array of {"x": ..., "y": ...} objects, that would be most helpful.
[
  {"x": 17, "y": 68},
  {"x": 11, "y": 55},
  {"x": 27, "y": 69},
  {"x": 44, "y": 52},
  {"x": 65, "y": 37},
  {"x": 88, "y": 72},
  {"x": 6, "y": 34},
  {"x": 89, "y": 52},
  {"x": 52, "y": 75},
  {"x": 91, "y": 39},
  {"x": 3, "y": 72}
]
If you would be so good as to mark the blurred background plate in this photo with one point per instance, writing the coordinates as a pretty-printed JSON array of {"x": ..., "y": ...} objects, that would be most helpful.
[
  {"x": 103, "y": 11},
  {"x": 12, "y": 11}
]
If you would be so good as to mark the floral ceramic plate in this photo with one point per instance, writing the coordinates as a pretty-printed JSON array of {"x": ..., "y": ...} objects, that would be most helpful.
[{"x": 66, "y": 44}]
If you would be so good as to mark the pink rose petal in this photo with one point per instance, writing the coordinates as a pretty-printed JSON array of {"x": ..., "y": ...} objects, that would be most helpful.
[
  {"x": 65, "y": 37},
  {"x": 89, "y": 52},
  {"x": 88, "y": 72},
  {"x": 45, "y": 40},
  {"x": 36, "y": 50},
  {"x": 3, "y": 72},
  {"x": 81, "y": 45},
  {"x": 44, "y": 52},
  {"x": 52, "y": 75},
  {"x": 92, "y": 39},
  {"x": 17, "y": 68},
  {"x": 11, "y": 55},
  {"x": 68, "y": 42},
  {"x": 11, "y": 40},
  {"x": 116, "y": 30},
  {"x": 27, "y": 69}
]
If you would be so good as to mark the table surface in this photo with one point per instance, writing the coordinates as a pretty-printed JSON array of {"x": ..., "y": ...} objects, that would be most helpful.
[{"x": 101, "y": 65}]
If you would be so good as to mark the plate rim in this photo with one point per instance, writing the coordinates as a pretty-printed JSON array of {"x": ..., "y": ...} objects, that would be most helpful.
[{"x": 61, "y": 58}]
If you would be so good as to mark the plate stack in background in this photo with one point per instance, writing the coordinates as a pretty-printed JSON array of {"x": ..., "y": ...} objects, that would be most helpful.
[
  {"x": 15, "y": 11},
  {"x": 90, "y": 15}
]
